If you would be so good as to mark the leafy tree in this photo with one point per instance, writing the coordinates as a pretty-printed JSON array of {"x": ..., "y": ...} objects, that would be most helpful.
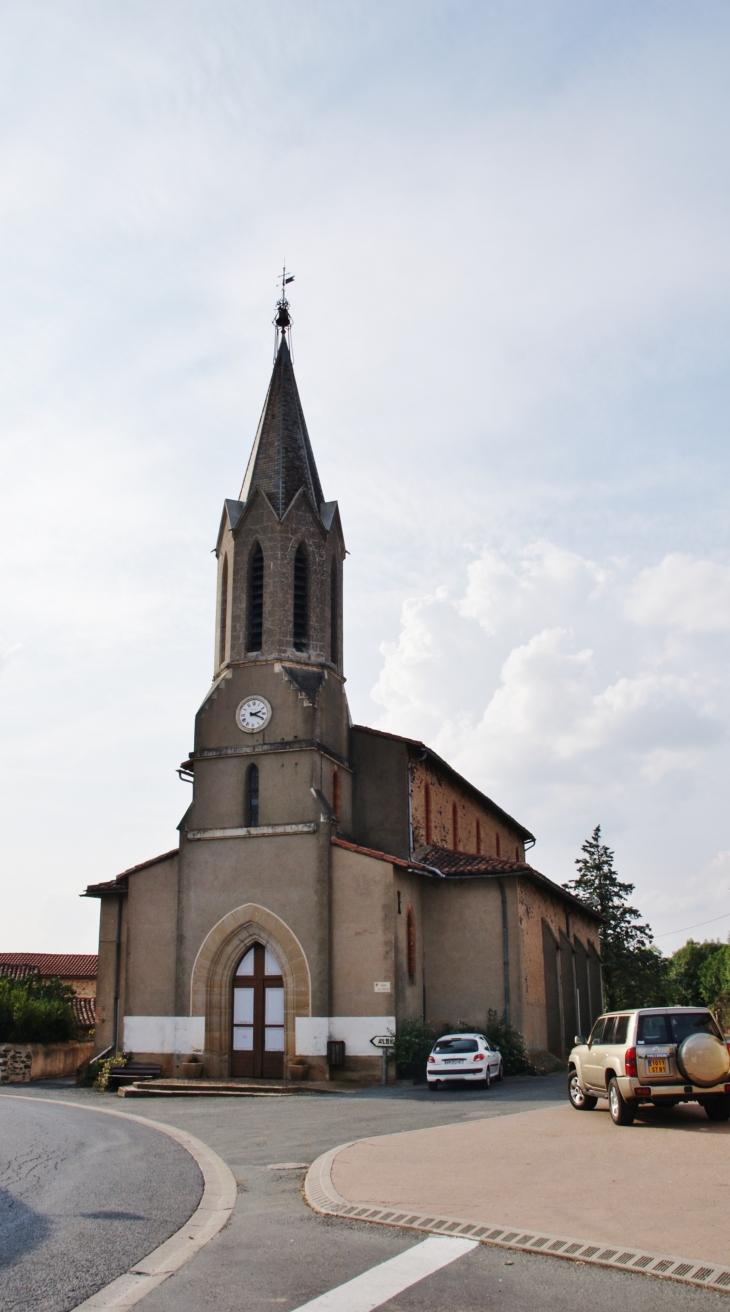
[
  {"x": 687, "y": 980},
  {"x": 35, "y": 1010},
  {"x": 634, "y": 971}
]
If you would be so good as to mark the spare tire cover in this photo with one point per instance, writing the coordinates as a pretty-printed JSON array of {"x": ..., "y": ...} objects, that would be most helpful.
[{"x": 703, "y": 1059}]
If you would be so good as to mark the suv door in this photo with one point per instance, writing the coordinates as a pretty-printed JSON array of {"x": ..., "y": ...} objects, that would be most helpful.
[{"x": 592, "y": 1063}]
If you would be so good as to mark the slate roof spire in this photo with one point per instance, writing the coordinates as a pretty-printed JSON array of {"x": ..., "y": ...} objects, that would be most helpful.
[{"x": 282, "y": 462}]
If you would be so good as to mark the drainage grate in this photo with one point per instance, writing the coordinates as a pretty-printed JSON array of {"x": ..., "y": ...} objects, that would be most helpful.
[
  {"x": 609, "y": 1255},
  {"x": 703, "y": 1273},
  {"x": 641, "y": 1262},
  {"x": 724, "y": 1279},
  {"x": 625, "y": 1257},
  {"x": 683, "y": 1269}
]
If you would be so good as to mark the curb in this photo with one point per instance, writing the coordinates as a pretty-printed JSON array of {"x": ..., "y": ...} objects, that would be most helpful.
[
  {"x": 322, "y": 1197},
  {"x": 212, "y": 1213}
]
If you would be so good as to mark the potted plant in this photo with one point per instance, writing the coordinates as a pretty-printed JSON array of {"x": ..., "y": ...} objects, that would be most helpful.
[
  {"x": 298, "y": 1068},
  {"x": 192, "y": 1067}
]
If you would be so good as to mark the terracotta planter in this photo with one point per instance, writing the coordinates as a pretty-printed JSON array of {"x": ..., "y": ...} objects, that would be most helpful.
[
  {"x": 297, "y": 1072},
  {"x": 191, "y": 1070}
]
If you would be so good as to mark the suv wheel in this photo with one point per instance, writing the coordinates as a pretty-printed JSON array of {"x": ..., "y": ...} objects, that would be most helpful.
[
  {"x": 583, "y": 1102},
  {"x": 718, "y": 1109},
  {"x": 622, "y": 1112}
]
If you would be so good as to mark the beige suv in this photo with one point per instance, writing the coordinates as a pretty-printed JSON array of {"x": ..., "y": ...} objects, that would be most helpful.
[{"x": 658, "y": 1055}]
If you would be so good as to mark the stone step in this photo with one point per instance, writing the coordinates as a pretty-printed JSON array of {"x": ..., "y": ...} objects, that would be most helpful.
[{"x": 217, "y": 1089}]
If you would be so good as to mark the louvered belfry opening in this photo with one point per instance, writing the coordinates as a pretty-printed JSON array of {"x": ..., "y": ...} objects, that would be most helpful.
[
  {"x": 223, "y": 623},
  {"x": 256, "y": 601},
  {"x": 301, "y": 601},
  {"x": 334, "y": 614}
]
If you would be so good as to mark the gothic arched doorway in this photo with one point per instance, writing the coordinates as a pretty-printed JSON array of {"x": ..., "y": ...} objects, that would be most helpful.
[{"x": 258, "y": 1016}]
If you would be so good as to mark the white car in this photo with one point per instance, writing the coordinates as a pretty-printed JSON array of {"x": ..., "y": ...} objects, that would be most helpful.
[{"x": 463, "y": 1057}]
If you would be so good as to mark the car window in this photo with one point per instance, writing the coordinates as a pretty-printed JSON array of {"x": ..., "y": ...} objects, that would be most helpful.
[
  {"x": 597, "y": 1030},
  {"x": 457, "y": 1045},
  {"x": 622, "y": 1029},
  {"x": 684, "y": 1023},
  {"x": 609, "y": 1030},
  {"x": 652, "y": 1029}
]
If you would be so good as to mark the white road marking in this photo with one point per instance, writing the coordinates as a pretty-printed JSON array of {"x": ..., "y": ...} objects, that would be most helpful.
[{"x": 381, "y": 1283}]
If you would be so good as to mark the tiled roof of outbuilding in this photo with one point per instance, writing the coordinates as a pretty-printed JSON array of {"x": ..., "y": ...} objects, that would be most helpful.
[
  {"x": 72, "y": 965},
  {"x": 85, "y": 1012}
]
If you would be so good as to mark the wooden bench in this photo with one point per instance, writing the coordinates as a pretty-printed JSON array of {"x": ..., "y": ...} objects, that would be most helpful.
[{"x": 132, "y": 1071}]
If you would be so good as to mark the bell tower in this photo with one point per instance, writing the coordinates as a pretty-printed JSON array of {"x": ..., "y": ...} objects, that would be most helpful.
[{"x": 278, "y": 683}]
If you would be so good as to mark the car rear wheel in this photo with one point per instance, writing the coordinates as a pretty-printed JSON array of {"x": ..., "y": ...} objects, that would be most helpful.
[
  {"x": 583, "y": 1102},
  {"x": 718, "y": 1109},
  {"x": 487, "y": 1079},
  {"x": 498, "y": 1076},
  {"x": 622, "y": 1112},
  {"x": 434, "y": 1084}
]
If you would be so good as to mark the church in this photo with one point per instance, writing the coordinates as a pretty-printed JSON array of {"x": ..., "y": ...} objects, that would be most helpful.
[{"x": 330, "y": 880}]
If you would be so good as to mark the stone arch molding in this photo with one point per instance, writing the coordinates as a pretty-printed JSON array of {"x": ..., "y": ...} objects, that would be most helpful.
[{"x": 212, "y": 977}]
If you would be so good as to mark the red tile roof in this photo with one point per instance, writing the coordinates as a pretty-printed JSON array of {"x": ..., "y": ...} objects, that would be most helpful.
[
  {"x": 69, "y": 965},
  {"x": 468, "y": 863},
  {"x": 85, "y": 1013},
  {"x": 465, "y": 865},
  {"x": 121, "y": 882},
  {"x": 372, "y": 851}
]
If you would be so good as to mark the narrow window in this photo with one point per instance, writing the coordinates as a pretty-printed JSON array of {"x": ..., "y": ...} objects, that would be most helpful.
[
  {"x": 334, "y": 614},
  {"x": 336, "y": 793},
  {"x": 252, "y": 796},
  {"x": 300, "y": 601},
  {"x": 427, "y": 809},
  {"x": 223, "y": 626},
  {"x": 256, "y": 600},
  {"x": 517, "y": 854},
  {"x": 499, "y": 845},
  {"x": 411, "y": 943},
  {"x": 399, "y": 905},
  {"x": 455, "y": 826},
  {"x": 479, "y": 839}
]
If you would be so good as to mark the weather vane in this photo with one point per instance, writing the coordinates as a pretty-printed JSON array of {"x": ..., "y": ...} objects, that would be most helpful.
[{"x": 282, "y": 322}]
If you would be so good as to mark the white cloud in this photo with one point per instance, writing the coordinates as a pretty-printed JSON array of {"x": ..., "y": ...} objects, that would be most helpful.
[
  {"x": 580, "y": 718},
  {"x": 680, "y": 593}
]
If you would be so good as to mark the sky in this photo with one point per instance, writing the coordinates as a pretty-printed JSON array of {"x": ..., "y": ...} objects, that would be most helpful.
[{"x": 508, "y": 228}]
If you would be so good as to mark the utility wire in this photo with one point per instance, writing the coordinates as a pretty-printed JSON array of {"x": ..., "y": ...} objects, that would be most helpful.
[{"x": 699, "y": 924}]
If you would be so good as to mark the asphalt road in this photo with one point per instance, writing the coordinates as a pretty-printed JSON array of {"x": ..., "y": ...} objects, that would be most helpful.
[
  {"x": 277, "y": 1253},
  {"x": 82, "y": 1198}
]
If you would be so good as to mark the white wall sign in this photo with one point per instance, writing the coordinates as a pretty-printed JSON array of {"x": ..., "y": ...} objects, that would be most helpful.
[{"x": 382, "y": 986}]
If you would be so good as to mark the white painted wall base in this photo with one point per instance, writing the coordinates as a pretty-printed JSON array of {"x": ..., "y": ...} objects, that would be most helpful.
[
  {"x": 312, "y": 1033},
  {"x": 180, "y": 1034}
]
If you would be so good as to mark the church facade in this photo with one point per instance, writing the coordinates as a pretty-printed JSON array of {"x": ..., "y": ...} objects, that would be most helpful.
[{"x": 330, "y": 880}]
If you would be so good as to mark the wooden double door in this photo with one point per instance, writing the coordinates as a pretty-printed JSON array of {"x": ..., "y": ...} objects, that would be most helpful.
[{"x": 258, "y": 1016}]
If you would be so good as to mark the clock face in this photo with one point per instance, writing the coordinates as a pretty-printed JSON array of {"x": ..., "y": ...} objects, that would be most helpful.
[{"x": 253, "y": 714}]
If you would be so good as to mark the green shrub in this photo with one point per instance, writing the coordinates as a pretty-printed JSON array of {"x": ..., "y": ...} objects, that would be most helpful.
[
  {"x": 35, "y": 1010},
  {"x": 414, "y": 1040}
]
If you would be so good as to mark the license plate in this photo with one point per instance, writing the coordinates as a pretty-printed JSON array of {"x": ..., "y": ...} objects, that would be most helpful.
[
  {"x": 454, "y": 1061},
  {"x": 657, "y": 1065}
]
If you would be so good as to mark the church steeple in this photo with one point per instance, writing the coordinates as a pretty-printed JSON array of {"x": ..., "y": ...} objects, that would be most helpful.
[
  {"x": 281, "y": 462},
  {"x": 280, "y": 547}
]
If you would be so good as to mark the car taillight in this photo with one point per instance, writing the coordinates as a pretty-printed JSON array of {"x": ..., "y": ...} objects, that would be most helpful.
[
  {"x": 479, "y": 1056},
  {"x": 432, "y": 1059},
  {"x": 630, "y": 1061}
]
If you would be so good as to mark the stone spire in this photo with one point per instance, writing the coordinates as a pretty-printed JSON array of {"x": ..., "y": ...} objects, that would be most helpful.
[{"x": 282, "y": 462}]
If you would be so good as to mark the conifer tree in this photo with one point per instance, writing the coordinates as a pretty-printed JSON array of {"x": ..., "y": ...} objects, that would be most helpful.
[{"x": 633, "y": 969}]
